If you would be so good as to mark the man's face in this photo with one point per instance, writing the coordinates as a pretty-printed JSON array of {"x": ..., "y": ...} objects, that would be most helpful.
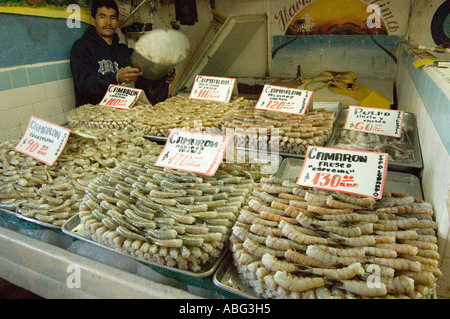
[{"x": 105, "y": 22}]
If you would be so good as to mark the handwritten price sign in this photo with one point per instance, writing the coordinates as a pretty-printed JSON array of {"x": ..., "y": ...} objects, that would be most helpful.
[
  {"x": 354, "y": 172},
  {"x": 210, "y": 88},
  {"x": 120, "y": 97},
  {"x": 193, "y": 152},
  {"x": 282, "y": 99},
  {"x": 376, "y": 121},
  {"x": 43, "y": 141}
]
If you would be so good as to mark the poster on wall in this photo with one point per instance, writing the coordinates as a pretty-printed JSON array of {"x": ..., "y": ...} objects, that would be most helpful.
[
  {"x": 343, "y": 17},
  {"x": 65, "y": 9}
]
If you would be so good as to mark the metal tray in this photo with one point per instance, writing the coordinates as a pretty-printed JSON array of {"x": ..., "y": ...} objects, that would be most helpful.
[
  {"x": 409, "y": 127},
  {"x": 227, "y": 278},
  {"x": 74, "y": 228},
  {"x": 330, "y": 106},
  {"x": 28, "y": 219},
  {"x": 396, "y": 182}
]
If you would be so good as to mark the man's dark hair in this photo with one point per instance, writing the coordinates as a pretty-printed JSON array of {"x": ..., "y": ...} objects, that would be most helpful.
[{"x": 110, "y": 4}]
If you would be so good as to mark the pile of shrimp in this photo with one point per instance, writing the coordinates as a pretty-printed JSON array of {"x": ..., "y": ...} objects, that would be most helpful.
[
  {"x": 95, "y": 116},
  {"x": 52, "y": 194},
  {"x": 180, "y": 112},
  {"x": 163, "y": 216},
  {"x": 286, "y": 133},
  {"x": 296, "y": 242}
]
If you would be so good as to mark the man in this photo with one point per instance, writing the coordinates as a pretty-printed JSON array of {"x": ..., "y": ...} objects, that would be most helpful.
[{"x": 98, "y": 60}]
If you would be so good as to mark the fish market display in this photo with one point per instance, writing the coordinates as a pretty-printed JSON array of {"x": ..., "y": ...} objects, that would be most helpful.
[
  {"x": 162, "y": 216},
  {"x": 180, "y": 112},
  {"x": 52, "y": 194},
  {"x": 296, "y": 242},
  {"x": 399, "y": 149},
  {"x": 95, "y": 116},
  {"x": 276, "y": 131}
]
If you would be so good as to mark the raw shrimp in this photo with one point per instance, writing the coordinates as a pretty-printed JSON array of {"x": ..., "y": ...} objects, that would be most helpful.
[
  {"x": 290, "y": 232},
  {"x": 398, "y": 263},
  {"x": 345, "y": 273},
  {"x": 317, "y": 253},
  {"x": 274, "y": 264},
  {"x": 363, "y": 289},
  {"x": 297, "y": 284},
  {"x": 283, "y": 244},
  {"x": 259, "y": 250},
  {"x": 299, "y": 258}
]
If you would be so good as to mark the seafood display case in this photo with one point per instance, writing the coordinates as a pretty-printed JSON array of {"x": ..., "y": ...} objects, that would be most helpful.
[
  {"x": 227, "y": 276},
  {"x": 404, "y": 153}
]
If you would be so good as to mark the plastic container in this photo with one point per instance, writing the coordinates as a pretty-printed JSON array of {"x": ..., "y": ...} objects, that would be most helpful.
[{"x": 157, "y": 52}]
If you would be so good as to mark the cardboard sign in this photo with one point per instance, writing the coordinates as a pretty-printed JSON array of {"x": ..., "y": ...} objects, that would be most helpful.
[
  {"x": 43, "y": 141},
  {"x": 376, "y": 121},
  {"x": 193, "y": 152},
  {"x": 215, "y": 89},
  {"x": 120, "y": 97},
  {"x": 353, "y": 172},
  {"x": 285, "y": 100}
]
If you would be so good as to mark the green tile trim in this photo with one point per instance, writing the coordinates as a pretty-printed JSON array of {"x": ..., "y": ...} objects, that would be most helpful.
[
  {"x": 19, "y": 78},
  {"x": 35, "y": 75},
  {"x": 5, "y": 81},
  {"x": 50, "y": 73},
  {"x": 63, "y": 70}
]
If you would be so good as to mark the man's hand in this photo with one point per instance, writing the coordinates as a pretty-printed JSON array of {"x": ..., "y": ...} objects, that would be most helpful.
[
  {"x": 128, "y": 75},
  {"x": 170, "y": 77}
]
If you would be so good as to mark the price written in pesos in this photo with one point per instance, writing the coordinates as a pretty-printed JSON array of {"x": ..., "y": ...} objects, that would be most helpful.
[
  {"x": 354, "y": 172},
  {"x": 334, "y": 180},
  {"x": 280, "y": 105},
  {"x": 185, "y": 160},
  {"x": 374, "y": 128}
]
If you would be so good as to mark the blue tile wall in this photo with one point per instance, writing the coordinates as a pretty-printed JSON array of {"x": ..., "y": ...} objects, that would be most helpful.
[
  {"x": 434, "y": 99},
  {"x": 25, "y": 76}
]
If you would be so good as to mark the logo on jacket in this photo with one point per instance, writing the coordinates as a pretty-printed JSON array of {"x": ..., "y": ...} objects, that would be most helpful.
[{"x": 106, "y": 66}]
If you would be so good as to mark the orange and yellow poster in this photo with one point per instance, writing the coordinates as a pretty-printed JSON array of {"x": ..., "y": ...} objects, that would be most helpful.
[{"x": 340, "y": 17}]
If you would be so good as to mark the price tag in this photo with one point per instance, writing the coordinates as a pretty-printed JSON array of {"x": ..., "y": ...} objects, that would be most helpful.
[
  {"x": 215, "y": 89},
  {"x": 120, "y": 97},
  {"x": 193, "y": 152},
  {"x": 353, "y": 172},
  {"x": 43, "y": 141},
  {"x": 282, "y": 99},
  {"x": 376, "y": 121}
]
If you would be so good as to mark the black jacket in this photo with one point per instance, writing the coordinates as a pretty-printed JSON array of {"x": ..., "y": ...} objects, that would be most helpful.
[{"x": 94, "y": 64}]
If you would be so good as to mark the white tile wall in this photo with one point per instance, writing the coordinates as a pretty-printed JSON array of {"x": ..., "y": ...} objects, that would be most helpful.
[
  {"x": 51, "y": 101},
  {"x": 436, "y": 172}
]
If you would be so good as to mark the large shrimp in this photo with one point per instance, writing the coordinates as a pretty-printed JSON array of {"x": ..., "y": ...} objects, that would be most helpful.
[
  {"x": 297, "y": 284},
  {"x": 363, "y": 289},
  {"x": 317, "y": 253},
  {"x": 290, "y": 232},
  {"x": 344, "y": 273},
  {"x": 299, "y": 258},
  {"x": 283, "y": 244},
  {"x": 259, "y": 250}
]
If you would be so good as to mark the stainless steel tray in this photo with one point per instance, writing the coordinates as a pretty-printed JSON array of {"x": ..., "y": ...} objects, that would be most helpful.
[
  {"x": 330, "y": 106},
  {"x": 227, "y": 278},
  {"x": 28, "y": 219},
  {"x": 409, "y": 128},
  {"x": 74, "y": 228},
  {"x": 396, "y": 182}
]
